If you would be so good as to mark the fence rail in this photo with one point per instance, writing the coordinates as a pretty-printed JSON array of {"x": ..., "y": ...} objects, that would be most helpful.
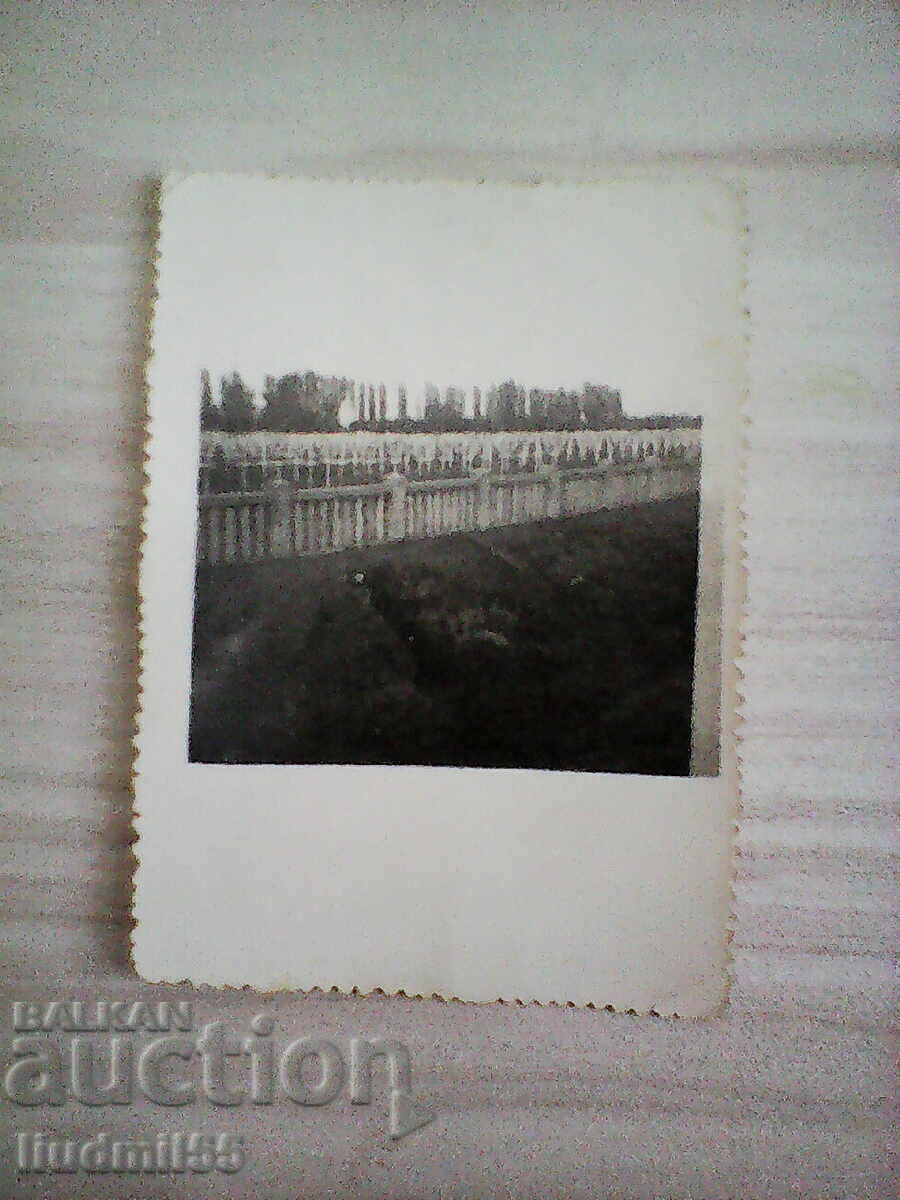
[{"x": 284, "y": 521}]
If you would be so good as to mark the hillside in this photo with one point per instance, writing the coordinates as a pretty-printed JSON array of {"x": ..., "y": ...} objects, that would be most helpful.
[{"x": 564, "y": 644}]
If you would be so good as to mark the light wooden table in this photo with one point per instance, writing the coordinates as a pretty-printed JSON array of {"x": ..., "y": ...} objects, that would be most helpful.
[{"x": 784, "y": 1095}]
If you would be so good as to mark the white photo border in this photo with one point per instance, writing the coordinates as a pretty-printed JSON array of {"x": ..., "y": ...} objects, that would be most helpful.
[{"x": 467, "y": 883}]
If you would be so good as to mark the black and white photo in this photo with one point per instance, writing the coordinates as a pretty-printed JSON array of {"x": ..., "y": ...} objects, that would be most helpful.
[
  {"x": 487, "y": 577},
  {"x": 439, "y": 588}
]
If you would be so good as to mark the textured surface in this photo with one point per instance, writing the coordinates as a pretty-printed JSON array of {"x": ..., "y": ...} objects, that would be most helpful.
[{"x": 786, "y": 1093}]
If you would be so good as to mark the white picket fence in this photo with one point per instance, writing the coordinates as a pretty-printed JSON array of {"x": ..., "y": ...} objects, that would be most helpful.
[{"x": 284, "y": 520}]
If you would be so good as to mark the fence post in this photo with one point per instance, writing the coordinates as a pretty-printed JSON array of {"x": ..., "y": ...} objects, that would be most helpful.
[
  {"x": 483, "y": 499},
  {"x": 555, "y": 490},
  {"x": 395, "y": 488},
  {"x": 281, "y": 494}
]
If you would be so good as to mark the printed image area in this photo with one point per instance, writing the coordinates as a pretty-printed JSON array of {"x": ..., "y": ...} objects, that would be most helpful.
[{"x": 486, "y": 576}]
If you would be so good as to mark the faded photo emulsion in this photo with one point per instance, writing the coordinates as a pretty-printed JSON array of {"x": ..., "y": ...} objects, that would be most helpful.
[
  {"x": 486, "y": 577},
  {"x": 443, "y": 476}
]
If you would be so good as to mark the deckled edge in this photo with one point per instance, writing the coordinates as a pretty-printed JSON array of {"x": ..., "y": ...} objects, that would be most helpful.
[
  {"x": 156, "y": 190},
  {"x": 149, "y": 300},
  {"x": 622, "y": 173},
  {"x": 740, "y": 583}
]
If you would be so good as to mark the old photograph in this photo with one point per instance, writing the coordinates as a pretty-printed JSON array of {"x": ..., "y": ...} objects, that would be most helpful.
[{"x": 439, "y": 588}]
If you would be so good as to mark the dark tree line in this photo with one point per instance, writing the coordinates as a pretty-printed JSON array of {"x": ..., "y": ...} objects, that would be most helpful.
[
  {"x": 235, "y": 411},
  {"x": 307, "y": 403},
  {"x": 294, "y": 403}
]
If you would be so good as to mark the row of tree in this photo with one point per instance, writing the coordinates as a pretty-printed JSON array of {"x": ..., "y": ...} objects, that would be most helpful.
[
  {"x": 294, "y": 403},
  {"x": 311, "y": 403}
]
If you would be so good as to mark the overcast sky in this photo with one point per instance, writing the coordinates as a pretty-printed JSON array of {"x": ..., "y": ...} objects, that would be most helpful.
[{"x": 454, "y": 284}]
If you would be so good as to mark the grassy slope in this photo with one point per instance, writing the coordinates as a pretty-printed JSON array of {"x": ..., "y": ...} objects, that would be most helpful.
[{"x": 565, "y": 644}]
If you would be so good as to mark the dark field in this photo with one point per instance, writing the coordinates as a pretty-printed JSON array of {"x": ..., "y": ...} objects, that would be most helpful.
[{"x": 566, "y": 644}]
